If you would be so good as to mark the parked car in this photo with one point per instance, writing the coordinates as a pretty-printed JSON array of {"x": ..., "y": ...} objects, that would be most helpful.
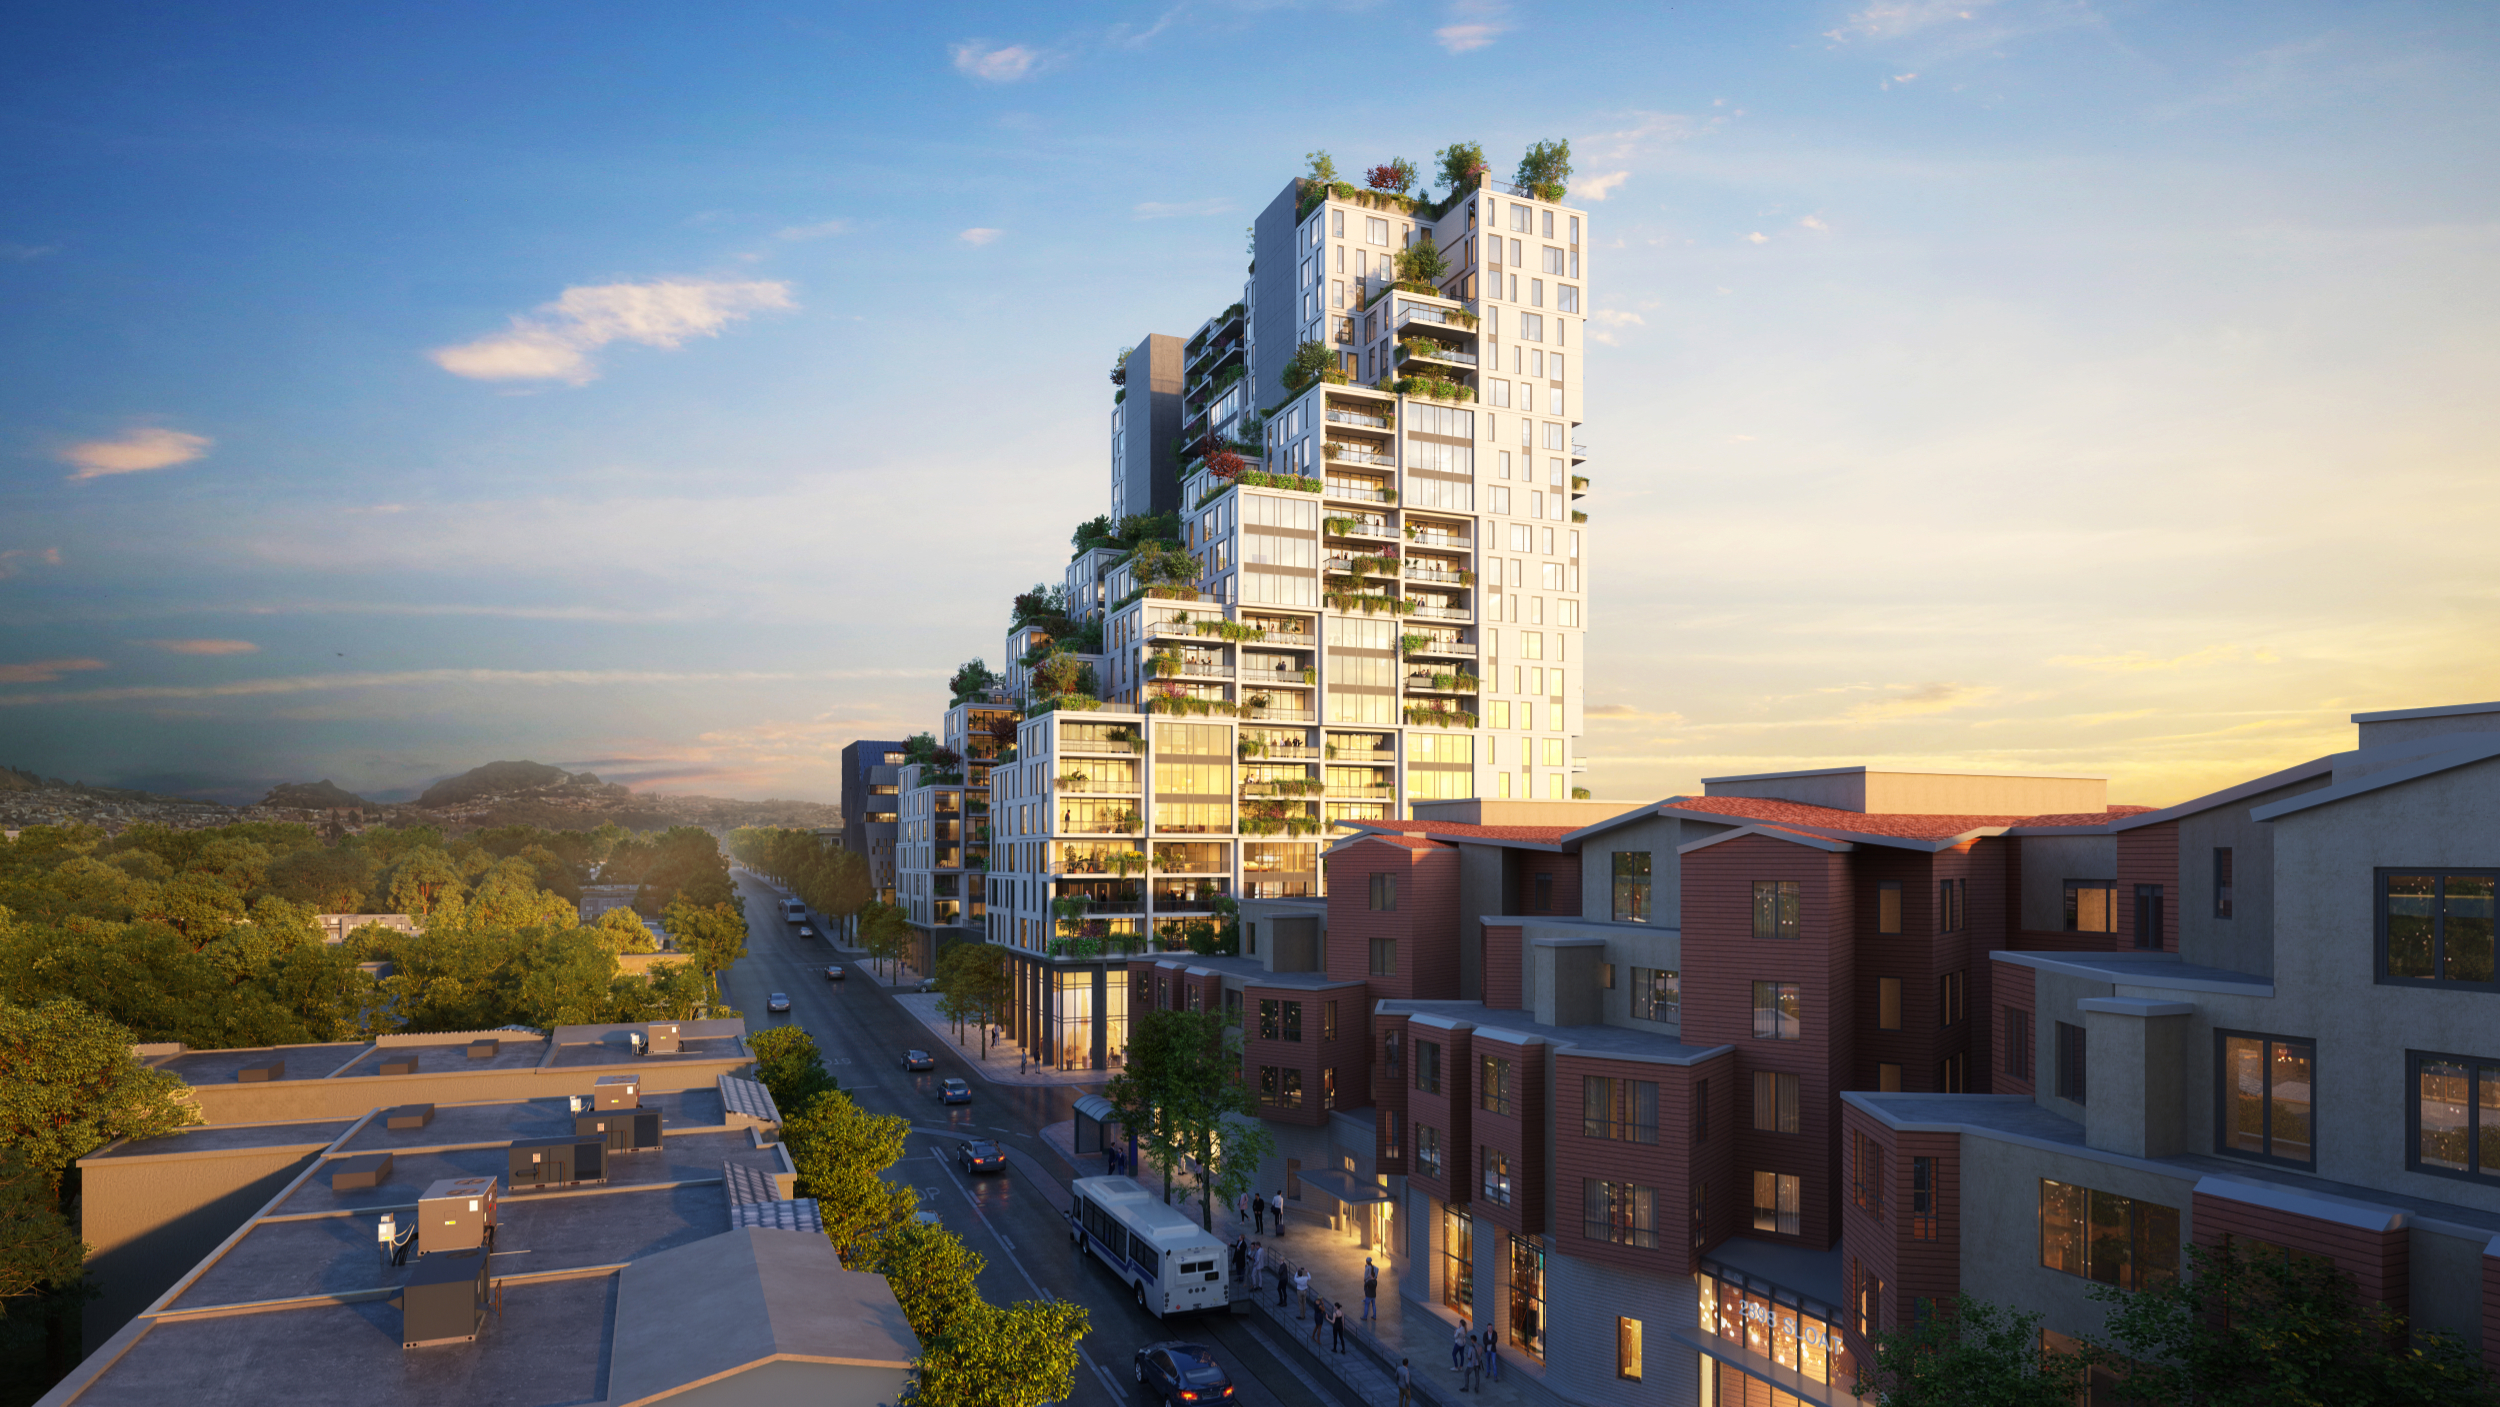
[
  {"x": 1182, "y": 1372},
  {"x": 919, "y": 1060},
  {"x": 833, "y": 972},
  {"x": 778, "y": 1001},
  {"x": 954, "y": 1091},
  {"x": 928, "y": 984},
  {"x": 980, "y": 1155},
  {"x": 806, "y": 932}
]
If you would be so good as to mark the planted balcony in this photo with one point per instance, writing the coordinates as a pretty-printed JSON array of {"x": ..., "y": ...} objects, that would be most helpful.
[
  {"x": 1384, "y": 420},
  {"x": 1442, "y": 681},
  {"x": 1346, "y": 452},
  {"x": 1120, "y": 861},
  {"x": 1432, "y": 387},
  {"x": 1425, "y": 349},
  {"x": 1438, "y": 716},
  {"x": 1358, "y": 525}
]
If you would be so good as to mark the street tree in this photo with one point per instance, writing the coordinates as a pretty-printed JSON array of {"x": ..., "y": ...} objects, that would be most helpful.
[
  {"x": 1181, "y": 1094},
  {"x": 68, "y": 1086},
  {"x": 1976, "y": 1354},
  {"x": 885, "y": 933},
  {"x": 714, "y": 935}
]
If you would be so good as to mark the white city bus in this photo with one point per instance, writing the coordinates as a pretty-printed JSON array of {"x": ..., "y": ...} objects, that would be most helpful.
[{"x": 1175, "y": 1266}]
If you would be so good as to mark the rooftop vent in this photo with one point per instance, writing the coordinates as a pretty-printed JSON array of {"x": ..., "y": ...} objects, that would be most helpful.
[
  {"x": 617, "y": 1092},
  {"x": 261, "y": 1073},
  {"x": 398, "y": 1065},
  {"x": 545, "y": 1163},
  {"x": 623, "y": 1130},
  {"x": 456, "y": 1214},
  {"x": 362, "y": 1171},
  {"x": 408, "y": 1116},
  {"x": 664, "y": 1038},
  {"x": 485, "y": 1049},
  {"x": 443, "y": 1301}
]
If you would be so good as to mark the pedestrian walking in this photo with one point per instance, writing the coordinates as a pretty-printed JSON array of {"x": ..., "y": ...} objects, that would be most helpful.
[
  {"x": 1319, "y": 1317},
  {"x": 1258, "y": 1213},
  {"x": 1492, "y": 1355},
  {"x": 1241, "y": 1207},
  {"x": 1406, "y": 1382},
  {"x": 1458, "y": 1345},
  {"x": 1278, "y": 1208},
  {"x": 1371, "y": 1290},
  {"x": 1474, "y": 1380},
  {"x": 1336, "y": 1325},
  {"x": 1284, "y": 1282},
  {"x": 1302, "y": 1287}
]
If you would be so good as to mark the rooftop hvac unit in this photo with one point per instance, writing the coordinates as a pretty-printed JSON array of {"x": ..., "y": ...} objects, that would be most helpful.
[
  {"x": 664, "y": 1039},
  {"x": 617, "y": 1092},
  {"x": 624, "y": 1130},
  {"x": 399, "y": 1065},
  {"x": 443, "y": 1300},
  {"x": 408, "y": 1116},
  {"x": 544, "y": 1163},
  {"x": 456, "y": 1214},
  {"x": 486, "y": 1049},
  {"x": 264, "y": 1071},
  {"x": 363, "y": 1170}
]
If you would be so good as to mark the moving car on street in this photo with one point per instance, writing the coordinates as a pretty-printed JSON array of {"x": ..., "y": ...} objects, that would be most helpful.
[
  {"x": 919, "y": 1060},
  {"x": 954, "y": 1091},
  {"x": 833, "y": 972},
  {"x": 778, "y": 1001},
  {"x": 1182, "y": 1372},
  {"x": 980, "y": 1155}
]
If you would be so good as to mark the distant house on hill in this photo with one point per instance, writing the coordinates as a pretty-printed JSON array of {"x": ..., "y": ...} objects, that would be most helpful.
[
  {"x": 336, "y": 927},
  {"x": 597, "y": 899}
]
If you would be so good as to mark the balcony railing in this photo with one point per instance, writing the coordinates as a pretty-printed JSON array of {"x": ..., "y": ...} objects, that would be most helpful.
[
  {"x": 1364, "y": 525},
  {"x": 1282, "y": 715},
  {"x": 1362, "y": 793},
  {"x": 1345, "y": 566},
  {"x": 1416, "y": 571},
  {"x": 1435, "y": 537},
  {"x": 1360, "y": 754},
  {"x": 1348, "y": 454},
  {"x": 1356, "y": 417},
  {"x": 1444, "y": 613},
  {"x": 1190, "y": 669},
  {"x": 1098, "y": 786},
  {"x": 1444, "y": 647},
  {"x": 1356, "y": 492},
  {"x": 1445, "y": 354}
]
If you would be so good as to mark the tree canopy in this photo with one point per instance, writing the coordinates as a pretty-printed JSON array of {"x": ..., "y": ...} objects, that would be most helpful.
[{"x": 1181, "y": 1094}]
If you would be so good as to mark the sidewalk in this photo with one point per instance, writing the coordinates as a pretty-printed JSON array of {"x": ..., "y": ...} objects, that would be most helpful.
[{"x": 1000, "y": 1065}]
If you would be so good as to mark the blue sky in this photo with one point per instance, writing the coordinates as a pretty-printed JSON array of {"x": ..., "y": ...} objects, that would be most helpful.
[{"x": 680, "y": 392}]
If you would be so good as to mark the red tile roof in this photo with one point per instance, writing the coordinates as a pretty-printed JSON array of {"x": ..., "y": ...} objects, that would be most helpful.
[
  {"x": 1908, "y": 827},
  {"x": 1461, "y": 830},
  {"x": 1404, "y": 842}
]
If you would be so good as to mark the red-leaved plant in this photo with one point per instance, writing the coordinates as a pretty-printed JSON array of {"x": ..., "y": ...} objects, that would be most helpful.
[{"x": 1224, "y": 464}]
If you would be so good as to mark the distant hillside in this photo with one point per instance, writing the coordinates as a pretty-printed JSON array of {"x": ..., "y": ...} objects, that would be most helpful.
[
  {"x": 497, "y": 777},
  {"x": 316, "y": 796}
]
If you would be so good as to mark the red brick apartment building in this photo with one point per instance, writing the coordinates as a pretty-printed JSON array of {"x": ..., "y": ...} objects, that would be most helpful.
[{"x": 1687, "y": 1098}]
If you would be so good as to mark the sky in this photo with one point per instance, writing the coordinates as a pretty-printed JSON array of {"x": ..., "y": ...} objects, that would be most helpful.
[{"x": 681, "y": 392}]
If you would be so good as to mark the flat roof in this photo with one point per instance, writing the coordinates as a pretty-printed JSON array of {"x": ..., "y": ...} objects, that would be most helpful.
[
  {"x": 1597, "y": 1041},
  {"x": 2438, "y": 711},
  {"x": 1902, "y": 772},
  {"x": 294, "y": 1307},
  {"x": 220, "y": 1067}
]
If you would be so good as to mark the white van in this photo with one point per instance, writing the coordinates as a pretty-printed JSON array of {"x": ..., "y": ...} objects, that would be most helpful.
[{"x": 1174, "y": 1265}]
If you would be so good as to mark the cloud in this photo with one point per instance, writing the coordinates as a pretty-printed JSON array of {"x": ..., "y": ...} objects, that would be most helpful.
[
  {"x": 1923, "y": 699},
  {"x": 554, "y": 342},
  {"x": 44, "y": 671},
  {"x": 205, "y": 647},
  {"x": 1474, "y": 24},
  {"x": 1599, "y": 187},
  {"x": 2138, "y": 662},
  {"x": 23, "y": 252},
  {"x": 978, "y": 236},
  {"x": 1645, "y": 132},
  {"x": 1162, "y": 210},
  {"x": 829, "y": 227},
  {"x": 322, "y": 683},
  {"x": 1757, "y": 237},
  {"x": 148, "y": 447},
  {"x": 1617, "y": 317},
  {"x": 1813, "y": 222},
  {"x": 18, "y": 559},
  {"x": 1616, "y": 713},
  {"x": 1891, "y": 19},
  {"x": 1003, "y": 65}
]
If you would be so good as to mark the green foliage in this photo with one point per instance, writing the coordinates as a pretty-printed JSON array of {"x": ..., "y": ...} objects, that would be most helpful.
[
  {"x": 1422, "y": 262},
  {"x": 1396, "y": 176},
  {"x": 839, "y": 1149},
  {"x": 2267, "y": 1328},
  {"x": 935, "y": 1276},
  {"x": 625, "y": 932},
  {"x": 39, "y": 1250},
  {"x": 1309, "y": 361},
  {"x": 681, "y": 862},
  {"x": 972, "y": 680},
  {"x": 787, "y": 1063},
  {"x": 973, "y": 982},
  {"x": 1462, "y": 165},
  {"x": 1181, "y": 1095},
  {"x": 330, "y": 881},
  {"x": 1015, "y": 1356},
  {"x": 1544, "y": 169},
  {"x": 884, "y": 931},
  {"x": 1323, "y": 170},
  {"x": 819, "y": 872},
  {"x": 714, "y": 935},
  {"x": 68, "y": 1087},
  {"x": 1980, "y": 1356}
]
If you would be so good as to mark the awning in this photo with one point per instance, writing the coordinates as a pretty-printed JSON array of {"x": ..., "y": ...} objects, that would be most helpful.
[
  {"x": 1344, "y": 1187},
  {"x": 1093, "y": 1112}
]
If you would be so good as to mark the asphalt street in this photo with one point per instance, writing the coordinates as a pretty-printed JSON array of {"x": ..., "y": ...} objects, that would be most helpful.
[{"x": 1012, "y": 1219}]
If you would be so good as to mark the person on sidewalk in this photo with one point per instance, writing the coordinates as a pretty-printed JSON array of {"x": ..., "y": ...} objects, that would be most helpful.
[
  {"x": 1319, "y": 1317},
  {"x": 1277, "y": 1208},
  {"x": 1406, "y": 1382},
  {"x": 1336, "y": 1324},
  {"x": 1492, "y": 1355},
  {"x": 1473, "y": 1381},
  {"x": 1258, "y": 1213},
  {"x": 1458, "y": 1345},
  {"x": 1241, "y": 1207},
  {"x": 1371, "y": 1290},
  {"x": 1284, "y": 1282},
  {"x": 1302, "y": 1287}
]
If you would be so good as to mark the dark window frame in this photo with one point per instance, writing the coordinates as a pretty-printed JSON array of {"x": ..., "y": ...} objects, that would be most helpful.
[
  {"x": 2224, "y": 884},
  {"x": 1384, "y": 891},
  {"x": 1779, "y": 992},
  {"x": 1428, "y": 1066},
  {"x": 2073, "y": 1063},
  {"x": 1888, "y": 924},
  {"x": 2151, "y": 901},
  {"x": 2222, "y": 1099},
  {"x": 1923, "y": 1221},
  {"x": 1631, "y": 885},
  {"x": 2019, "y": 1052},
  {"x": 2439, "y": 926},
  {"x": 2474, "y": 1066},
  {"x": 2072, "y": 909},
  {"x": 1783, "y": 919}
]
